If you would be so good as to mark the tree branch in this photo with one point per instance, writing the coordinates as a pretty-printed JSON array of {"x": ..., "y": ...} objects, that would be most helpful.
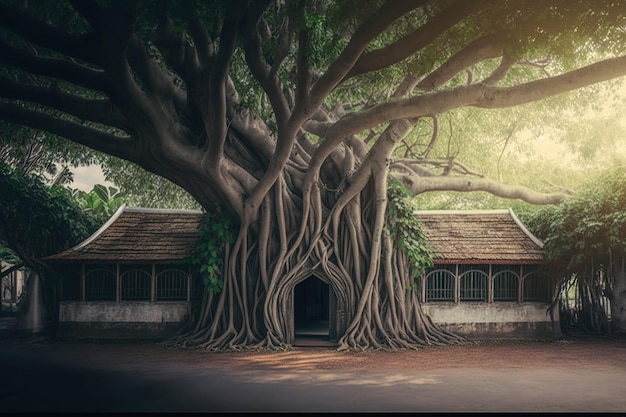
[
  {"x": 11, "y": 269},
  {"x": 178, "y": 55},
  {"x": 420, "y": 185},
  {"x": 378, "y": 22},
  {"x": 93, "y": 138},
  {"x": 413, "y": 42},
  {"x": 151, "y": 75},
  {"x": 39, "y": 33},
  {"x": 388, "y": 13},
  {"x": 66, "y": 70},
  {"x": 99, "y": 111},
  {"x": 260, "y": 69},
  {"x": 480, "y": 95},
  {"x": 477, "y": 51}
]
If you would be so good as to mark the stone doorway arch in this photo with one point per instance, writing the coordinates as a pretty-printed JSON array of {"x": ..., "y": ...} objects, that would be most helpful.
[{"x": 317, "y": 314}]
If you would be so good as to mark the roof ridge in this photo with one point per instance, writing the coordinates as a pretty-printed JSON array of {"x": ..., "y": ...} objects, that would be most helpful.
[
  {"x": 478, "y": 211},
  {"x": 162, "y": 210},
  {"x": 521, "y": 225}
]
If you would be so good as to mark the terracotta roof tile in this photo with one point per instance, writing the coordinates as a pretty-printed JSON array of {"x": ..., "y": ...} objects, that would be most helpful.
[
  {"x": 496, "y": 236},
  {"x": 135, "y": 235},
  {"x": 139, "y": 235}
]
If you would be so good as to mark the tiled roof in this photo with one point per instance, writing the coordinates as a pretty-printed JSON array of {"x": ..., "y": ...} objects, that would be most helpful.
[
  {"x": 478, "y": 236},
  {"x": 139, "y": 235},
  {"x": 152, "y": 235}
]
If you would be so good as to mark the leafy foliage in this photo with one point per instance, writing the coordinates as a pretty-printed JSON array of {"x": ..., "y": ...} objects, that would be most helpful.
[
  {"x": 406, "y": 230},
  {"x": 37, "y": 220},
  {"x": 101, "y": 202},
  {"x": 589, "y": 225},
  {"x": 587, "y": 233},
  {"x": 216, "y": 231},
  {"x": 141, "y": 188}
]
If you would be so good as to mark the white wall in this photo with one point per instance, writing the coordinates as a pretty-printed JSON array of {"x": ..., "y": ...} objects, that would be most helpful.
[
  {"x": 123, "y": 320},
  {"x": 495, "y": 320}
]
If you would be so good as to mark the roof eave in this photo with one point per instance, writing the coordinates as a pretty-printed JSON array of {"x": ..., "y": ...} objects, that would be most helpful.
[{"x": 91, "y": 238}]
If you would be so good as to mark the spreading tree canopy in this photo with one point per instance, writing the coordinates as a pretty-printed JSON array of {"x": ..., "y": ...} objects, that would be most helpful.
[{"x": 288, "y": 115}]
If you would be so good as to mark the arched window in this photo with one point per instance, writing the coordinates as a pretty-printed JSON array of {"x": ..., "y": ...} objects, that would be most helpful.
[
  {"x": 100, "y": 282},
  {"x": 136, "y": 283},
  {"x": 440, "y": 285},
  {"x": 473, "y": 282},
  {"x": 505, "y": 283},
  {"x": 536, "y": 287},
  {"x": 171, "y": 284}
]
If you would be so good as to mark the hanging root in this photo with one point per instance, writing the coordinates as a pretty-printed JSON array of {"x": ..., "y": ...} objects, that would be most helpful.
[{"x": 339, "y": 235}]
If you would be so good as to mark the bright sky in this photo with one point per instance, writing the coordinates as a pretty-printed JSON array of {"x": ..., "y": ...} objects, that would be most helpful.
[{"x": 86, "y": 177}]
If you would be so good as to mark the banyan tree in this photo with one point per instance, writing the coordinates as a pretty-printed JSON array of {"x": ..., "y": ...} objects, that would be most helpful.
[{"x": 287, "y": 115}]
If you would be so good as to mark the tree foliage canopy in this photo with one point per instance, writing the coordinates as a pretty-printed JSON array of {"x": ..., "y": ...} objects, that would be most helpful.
[
  {"x": 96, "y": 73},
  {"x": 589, "y": 225},
  {"x": 39, "y": 220},
  {"x": 587, "y": 234}
]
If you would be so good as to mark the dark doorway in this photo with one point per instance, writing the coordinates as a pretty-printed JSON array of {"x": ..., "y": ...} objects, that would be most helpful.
[{"x": 311, "y": 308}]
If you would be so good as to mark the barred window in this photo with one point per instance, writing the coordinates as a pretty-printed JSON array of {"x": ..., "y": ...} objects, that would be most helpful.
[
  {"x": 440, "y": 284},
  {"x": 136, "y": 283},
  {"x": 505, "y": 283},
  {"x": 536, "y": 286},
  {"x": 473, "y": 282},
  {"x": 100, "y": 282},
  {"x": 171, "y": 283},
  {"x": 70, "y": 283}
]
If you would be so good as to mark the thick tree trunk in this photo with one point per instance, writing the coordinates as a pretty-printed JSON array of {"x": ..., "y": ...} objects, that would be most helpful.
[{"x": 335, "y": 230}]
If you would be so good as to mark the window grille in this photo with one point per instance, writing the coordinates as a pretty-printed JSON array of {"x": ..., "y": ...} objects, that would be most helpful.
[
  {"x": 505, "y": 283},
  {"x": 473, "y": 282},
  {"x": 440, "y": 284},
  {"x": 171, "y": 284},
  {"x": 136, "y": 283},
  {"x": 70, "y": 284},
  {"x": 100, "y": 283},
  {"x": 536, "y": 287}
]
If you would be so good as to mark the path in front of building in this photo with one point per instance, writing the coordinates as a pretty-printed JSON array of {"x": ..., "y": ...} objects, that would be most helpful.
[{"x": 87, "y": 376}]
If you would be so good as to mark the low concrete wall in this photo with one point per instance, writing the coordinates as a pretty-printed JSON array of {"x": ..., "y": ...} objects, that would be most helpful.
[
  {"x": 496, "y": 320},
  {"x": 123, "y": 320}
]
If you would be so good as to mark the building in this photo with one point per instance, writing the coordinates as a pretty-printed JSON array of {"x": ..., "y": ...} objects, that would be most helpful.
[
  {"x": 490, "y": 278},
  {"x": 126, "y": 280}
]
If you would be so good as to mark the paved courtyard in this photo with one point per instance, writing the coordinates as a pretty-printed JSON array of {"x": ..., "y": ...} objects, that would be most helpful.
[{"x": 580, "y": 375}]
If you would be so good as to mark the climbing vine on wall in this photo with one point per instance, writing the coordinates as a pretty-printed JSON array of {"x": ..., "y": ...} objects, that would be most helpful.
[
  {"x": 216, "y": 231},
  {"x": 406, "y": 230}
]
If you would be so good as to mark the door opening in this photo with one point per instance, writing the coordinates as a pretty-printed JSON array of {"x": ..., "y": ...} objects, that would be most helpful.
[{"x": 311, "y": 309}]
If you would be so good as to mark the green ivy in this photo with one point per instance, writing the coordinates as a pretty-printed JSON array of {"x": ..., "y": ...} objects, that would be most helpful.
[
  {"x": 207, "y": 258},
  {"x": 406, "y": 230},
  {"x": 589, "y": 225}
]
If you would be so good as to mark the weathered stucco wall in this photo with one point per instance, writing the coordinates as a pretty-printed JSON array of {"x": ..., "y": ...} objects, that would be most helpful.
[
  {"x": 495, "y": 320},
  {"x": 136, "y": 320},
  {"x": 148, "y": 320}
]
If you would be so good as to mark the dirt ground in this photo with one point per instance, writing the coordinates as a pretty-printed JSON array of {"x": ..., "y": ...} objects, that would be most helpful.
[
  {"x": 577, "y": 353},
  {"x": 570, "y": 374}
]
